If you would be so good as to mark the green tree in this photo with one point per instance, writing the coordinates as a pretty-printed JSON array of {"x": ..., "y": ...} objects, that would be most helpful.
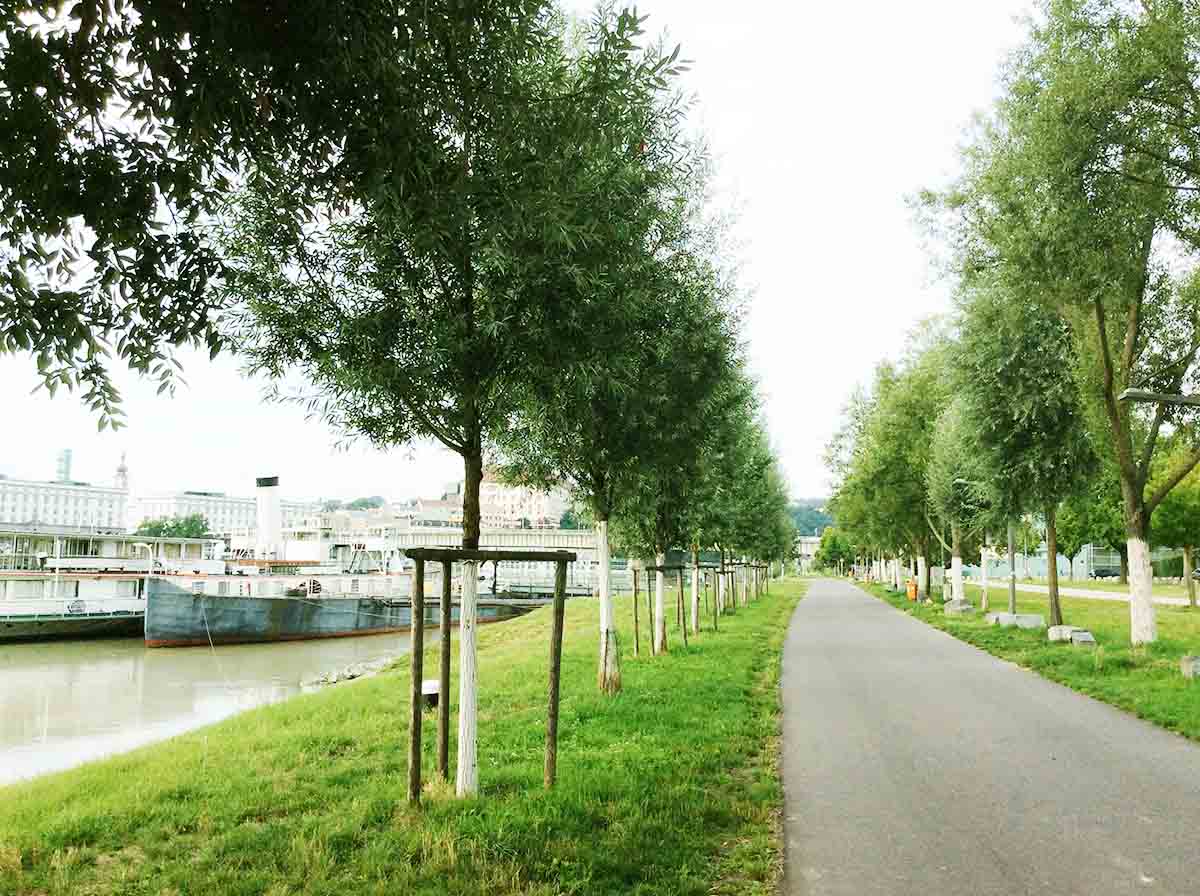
[
  {"x": 1177, "y": 525},
  {"x": 125, "y": 123},
  {"x": 371, "y": 503},
  {"x": 193, "y": 525},
  {"x": 835, "y": 549},
  {"x": 1055, "y": 205},
  {"x": 1014, "y": 364},
  {"x": 810, "y": 516}
]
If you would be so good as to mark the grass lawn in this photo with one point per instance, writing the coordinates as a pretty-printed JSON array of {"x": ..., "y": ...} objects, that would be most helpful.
[
  {"x": 1145, "y": 681},
  {"x": 669, "y": 788}
]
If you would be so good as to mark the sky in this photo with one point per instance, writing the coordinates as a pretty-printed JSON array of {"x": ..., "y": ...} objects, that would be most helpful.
[{"x": 823, "y": 118}]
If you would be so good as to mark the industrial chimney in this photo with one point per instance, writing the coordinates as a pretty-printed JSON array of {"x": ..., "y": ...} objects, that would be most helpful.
[
  {"x": 269, "y": 540},
  {"x": 63, "y": 469}
]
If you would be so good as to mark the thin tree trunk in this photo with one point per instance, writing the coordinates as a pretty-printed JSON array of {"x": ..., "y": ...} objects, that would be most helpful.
[
  {"x": 1052, "y": 564},
  {"x": 983, "y": 571},
  {"x": 1143, "y": 627},
  {"x": 550, "y": 766},
  {"x": 1012, "y": 567},
  {"x": 467, "y": 782},
  {"x": 922, "y": 577},
  {"x": 695, "y": 590},
  {"x": 609, "y": 670},
  {"x": 956, "y": 564},
  {"x": 637, "y": 636},
  {"x": 473, "y": 476},
  {"x": 682, "y": 612},
  {"x": 660, "y": 607},
  {"x": 1124, "y": 555},
  {"x": 1187, "y": 574}
]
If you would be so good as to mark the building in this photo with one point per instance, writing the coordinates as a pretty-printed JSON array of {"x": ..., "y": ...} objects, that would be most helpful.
[
  {"x": 66, "y": 503},
  {"x": 226, "y": 514},
  {"x": 503, "y": 506},
  {"x": 806, "y": 548}
]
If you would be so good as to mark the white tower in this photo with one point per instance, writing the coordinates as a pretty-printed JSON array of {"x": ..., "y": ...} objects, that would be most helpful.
[
  {"x": 122, "y": 481},
  {"x": 64, "y": 466},
  {"x": 269, "y": 537}
]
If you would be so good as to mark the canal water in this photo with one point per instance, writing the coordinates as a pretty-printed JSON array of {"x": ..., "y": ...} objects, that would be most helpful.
[{"x": 66, "y": 702}]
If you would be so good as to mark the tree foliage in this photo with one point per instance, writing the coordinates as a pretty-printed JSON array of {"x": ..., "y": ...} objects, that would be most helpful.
[{"x": 193, "y": 525}]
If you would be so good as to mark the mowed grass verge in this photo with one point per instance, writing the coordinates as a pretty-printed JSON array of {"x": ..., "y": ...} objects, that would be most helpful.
[
  {"x": 670, "y": 787},
  {"x": 1145, "y": 681}
]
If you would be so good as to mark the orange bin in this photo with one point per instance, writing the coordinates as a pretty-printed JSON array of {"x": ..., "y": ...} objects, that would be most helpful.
[{"x": 912, "y": 589}]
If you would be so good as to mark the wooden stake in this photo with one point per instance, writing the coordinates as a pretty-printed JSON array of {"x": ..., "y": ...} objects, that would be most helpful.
[
  {"x": 560, "y": 594},
  {"x": 443, "y": 733},
  {"x": 417, "y": 656}
]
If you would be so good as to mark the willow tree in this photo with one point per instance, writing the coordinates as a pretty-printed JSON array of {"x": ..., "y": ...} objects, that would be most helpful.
[
  {"x": 416, "y": 305},
  {"x": 1014, "y": 364},
  {"x": 1078, "y": 192},
  {"x": 124, "y": 123}
]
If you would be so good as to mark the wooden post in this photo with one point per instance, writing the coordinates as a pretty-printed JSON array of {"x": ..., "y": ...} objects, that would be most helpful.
[
  {"x": 637, "y": 636},
  {"x": 560, "y": 594},
  {"x": 715, "y": 610},
  {"x": 443, "y": 734},
  {"x": 416, "y": 657}
]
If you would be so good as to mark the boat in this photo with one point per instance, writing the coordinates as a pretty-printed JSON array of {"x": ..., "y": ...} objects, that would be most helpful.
[{"x": 241, "y": 609}]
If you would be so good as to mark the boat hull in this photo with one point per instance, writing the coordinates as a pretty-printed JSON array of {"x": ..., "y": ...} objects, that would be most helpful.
[
  {"x": 46, "y": 628},
  {"x": 176, "y": 617}
]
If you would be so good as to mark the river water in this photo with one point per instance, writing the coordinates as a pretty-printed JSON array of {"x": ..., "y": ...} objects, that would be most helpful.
[{"x": 66, "y": 702}]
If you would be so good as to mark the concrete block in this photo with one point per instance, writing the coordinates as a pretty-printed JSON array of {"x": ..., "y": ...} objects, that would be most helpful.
[
  {"x": 958, "y": 608},
  {"x": 1062, "y": 632},
  {"x": 1082, "y": 638},
  {"x": 430, "y": 692},
  {"x": 1016, "y": 620},
  {"x": 1190, "y": 666}
]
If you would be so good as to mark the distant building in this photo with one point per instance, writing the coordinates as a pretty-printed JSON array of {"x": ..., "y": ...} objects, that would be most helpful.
[
  {"x": 65, "y": 502},
  {"x": 504, "y": 506},
  {"x": 226, "y": 514},
  {"x": 806, "y": 549}
]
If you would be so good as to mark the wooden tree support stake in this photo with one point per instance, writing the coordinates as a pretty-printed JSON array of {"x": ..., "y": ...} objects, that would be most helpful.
[
  {"x": 560, "y": 594},
  {"x": 443, "y": 734},
  {"x": 417, "y": 657},
  {"x": 682, "y": 612},
  {"x": 637, "y": 643}
]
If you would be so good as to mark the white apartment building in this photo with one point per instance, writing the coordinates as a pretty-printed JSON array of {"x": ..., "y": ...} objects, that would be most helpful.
[
  {"x": 225, "y": 514},
  {"x": 504, "y": 506},
  {"x": 76, "y": 505}
]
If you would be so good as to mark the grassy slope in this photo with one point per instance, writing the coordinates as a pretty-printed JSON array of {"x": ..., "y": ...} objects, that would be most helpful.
[
  {"x": 671, "y": 787},
  {"x": 1144, "y": 681}
]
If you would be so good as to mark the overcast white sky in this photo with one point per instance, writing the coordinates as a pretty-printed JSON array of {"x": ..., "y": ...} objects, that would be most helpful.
[{"x": 823, "y": 117}]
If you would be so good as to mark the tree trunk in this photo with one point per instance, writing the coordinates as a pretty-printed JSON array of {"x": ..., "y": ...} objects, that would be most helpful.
[
  {"x": 696, "y": 590},
  {"x": 1123, "y": 553},
  {"x": 1143, "y": 627},
  {"x": 983, "y": 570},
  {"x": 660, "y": 608},
  {"x": 922, "y": 576},
  {"x": 1012, "y": 567},
  {"x": 1052, "y": 563},
  {"x": 609, "y": 671},
  {"x": 473, "y": 476},
  {"x": 1187, "y": 574},
  {"x": 468, "y": 774},
  {"x": 637, "y": 635},
  {"x": 956, "y": 564},
  {"x": 443, "y": 736}
]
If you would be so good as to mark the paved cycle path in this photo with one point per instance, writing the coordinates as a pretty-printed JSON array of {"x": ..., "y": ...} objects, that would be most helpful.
[{"x": 916, "y": 764}]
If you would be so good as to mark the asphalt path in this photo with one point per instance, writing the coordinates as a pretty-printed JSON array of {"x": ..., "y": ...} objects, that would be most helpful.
[{"x": 916, "y": 764}]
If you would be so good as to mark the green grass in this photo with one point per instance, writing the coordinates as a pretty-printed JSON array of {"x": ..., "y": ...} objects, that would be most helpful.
[
  {"x": 1145, "y": 681},
  {"x": 669, "y": 788}
]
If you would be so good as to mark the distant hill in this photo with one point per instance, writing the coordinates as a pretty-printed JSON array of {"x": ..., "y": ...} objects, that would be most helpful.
[{"x": 810, "y": 516}]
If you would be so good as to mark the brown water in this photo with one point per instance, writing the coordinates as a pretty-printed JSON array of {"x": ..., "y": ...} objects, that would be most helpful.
[{"x": 63, "y": 703}]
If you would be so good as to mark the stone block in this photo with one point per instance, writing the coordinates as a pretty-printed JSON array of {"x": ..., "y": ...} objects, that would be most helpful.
[
  {"x": 1062, "y": 632},
  {"x": 1016, "y": 620},
  {"x": 958, "y": 608},
  {"x": 1190, "y": 666},
  {"x": 430, "y": 692},
  {"x": 1082, "y": 638}
]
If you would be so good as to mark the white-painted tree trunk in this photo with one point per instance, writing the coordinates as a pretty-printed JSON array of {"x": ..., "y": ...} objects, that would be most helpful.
[
  {"x": 660, "y": 605},
  {"x": 609, "y": 672},
  {"x": 983, "y": 567},
  {"x": 695, "y": 595},
  {"x": 1142, "y": 626},
  {"x": 719, "y": 580},
  {"x": 956, "y": 578},
  {"x": 922, "y": 577},
  {"x": 896, "y": 573},
  {"x": 468, "y": 773}
]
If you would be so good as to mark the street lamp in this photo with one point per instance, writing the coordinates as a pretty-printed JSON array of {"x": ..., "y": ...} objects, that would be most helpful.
[{"x": 1146, "y": 397}]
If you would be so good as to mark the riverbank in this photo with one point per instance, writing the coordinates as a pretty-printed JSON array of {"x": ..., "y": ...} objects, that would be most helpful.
[
  {"x": 1144, "y": 681},
  {"x": 669, "y": 788}
]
